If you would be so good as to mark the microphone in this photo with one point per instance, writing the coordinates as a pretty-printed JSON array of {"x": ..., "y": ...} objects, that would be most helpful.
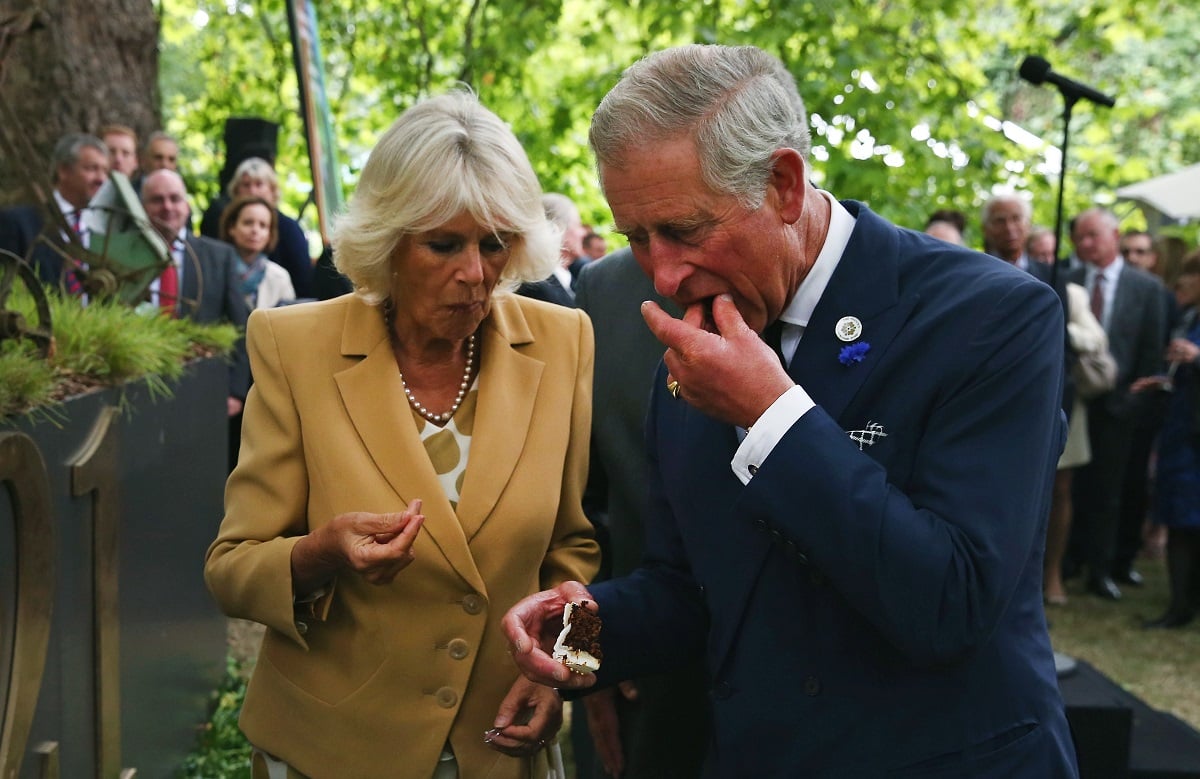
[{"x": 1036, "y": 70}]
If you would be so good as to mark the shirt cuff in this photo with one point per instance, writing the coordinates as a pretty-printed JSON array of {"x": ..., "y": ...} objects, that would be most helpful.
[{"x": 764, "y": 434}]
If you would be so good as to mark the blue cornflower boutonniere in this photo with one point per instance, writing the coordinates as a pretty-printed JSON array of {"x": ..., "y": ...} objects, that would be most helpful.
[{"x": 853, "y": 353}]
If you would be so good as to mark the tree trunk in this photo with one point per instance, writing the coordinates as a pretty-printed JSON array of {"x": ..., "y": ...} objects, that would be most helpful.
[{"x": 84, "y": 64}]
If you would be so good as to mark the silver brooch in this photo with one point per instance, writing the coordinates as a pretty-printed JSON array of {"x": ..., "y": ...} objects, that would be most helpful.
[{"x": 848, "y": 328}]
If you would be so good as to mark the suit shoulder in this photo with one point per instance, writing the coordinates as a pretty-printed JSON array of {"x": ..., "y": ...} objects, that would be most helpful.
[
  {"x": 1143, "y": 279},
  {"x": 614, "y": 269},
  {"x": 212, "y": 247},
  {"x": 290, "y": 229},
  {"x": 304, "y": 320},
  {"x": 21, "y": 213}
]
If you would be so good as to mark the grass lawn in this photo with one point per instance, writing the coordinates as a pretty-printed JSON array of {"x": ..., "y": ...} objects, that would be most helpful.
[{"x": 1162, "y": 667}]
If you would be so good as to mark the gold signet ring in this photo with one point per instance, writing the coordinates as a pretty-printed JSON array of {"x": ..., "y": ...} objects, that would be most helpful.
[{"x": 673, "y": 388}]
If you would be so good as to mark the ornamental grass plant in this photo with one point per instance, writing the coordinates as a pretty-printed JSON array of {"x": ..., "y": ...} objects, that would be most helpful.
[{"x": 100, "y": 345}]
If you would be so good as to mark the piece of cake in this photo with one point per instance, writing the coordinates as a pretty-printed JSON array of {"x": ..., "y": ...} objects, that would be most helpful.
[{"x": 578, "y": 645}]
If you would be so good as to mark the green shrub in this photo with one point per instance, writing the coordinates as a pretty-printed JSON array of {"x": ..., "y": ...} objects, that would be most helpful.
[{"x": 222, "y": 751}]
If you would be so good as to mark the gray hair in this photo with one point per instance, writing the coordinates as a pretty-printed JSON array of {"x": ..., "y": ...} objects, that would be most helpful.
[
  {"x": 67, "y": 149},
  {"x": 1037, "y": 233},
  {"x": 738, "y": 104},
  {"x": 1107, "y": 218},
  {"x": 159, "y": 135},
  {"x": 1022, "y": 203},
  {"x": 560, "y": 210},
  {"x": 444, "y": 156},
  {"x": 256, "y": 169}
]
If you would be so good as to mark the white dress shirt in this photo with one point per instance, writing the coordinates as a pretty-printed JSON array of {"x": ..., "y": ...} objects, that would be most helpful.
[{"x": 770, "y": 428}]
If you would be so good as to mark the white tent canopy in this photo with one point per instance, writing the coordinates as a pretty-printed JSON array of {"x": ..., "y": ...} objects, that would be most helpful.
[{"x": 1176, "y": 196}]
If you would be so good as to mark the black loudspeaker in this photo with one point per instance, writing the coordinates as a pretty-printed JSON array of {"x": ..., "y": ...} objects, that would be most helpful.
[
  {"x": 1119, "y": 736},
  {"x": 245, "y": 137}
]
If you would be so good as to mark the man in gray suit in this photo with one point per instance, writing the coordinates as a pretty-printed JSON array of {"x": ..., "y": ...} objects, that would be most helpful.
[
  {"x": 1129, "y": 303},
  {"x": 650, "y": 729},
  {"x": 212, "y": 283}
]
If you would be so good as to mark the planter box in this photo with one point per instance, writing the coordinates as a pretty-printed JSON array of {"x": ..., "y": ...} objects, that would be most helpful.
[{"x": 110, "y": 646}]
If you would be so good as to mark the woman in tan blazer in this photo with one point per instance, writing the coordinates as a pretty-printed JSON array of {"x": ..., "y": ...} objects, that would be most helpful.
[{"x": 412, "y": 461}]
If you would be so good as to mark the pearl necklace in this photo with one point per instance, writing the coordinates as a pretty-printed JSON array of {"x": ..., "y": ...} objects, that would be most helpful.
[{"x": 463, "y": 386}]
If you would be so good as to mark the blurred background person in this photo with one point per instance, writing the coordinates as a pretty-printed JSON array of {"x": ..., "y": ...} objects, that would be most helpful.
[
  {"x": 645, "y": 728},
  {"x": 1137, "y": 247},
  {"x": 255, "y": 177},
  {"x": 1040, "y": 245},
  {"x": 944, "y": 231},
  {"x": 1177, "y": 496},
  {"x": 559, "y": 286},
  {"x": 594, "y": 246},
  {"x": 1086, "y": 337},
  {"x": 200, "y": 283},
  {"x": 161, "y": 151},
  {"x": 1128, "y": 302},
  {"x": 413, "y": 460},
  {"x": 78, "y": 168},
  {"x": 122, "y": 144},
  {"x": 1140, "y": 533},
  {"x": 248, "y": 223},
  {"x": 948, "y": 224},
  {"x": 1006, "y": 226}
]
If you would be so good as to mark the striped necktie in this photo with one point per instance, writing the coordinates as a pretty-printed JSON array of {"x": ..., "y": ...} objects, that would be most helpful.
[
  {"x": 1098, "y": 298},
  {"x": 71, "y": 278}
]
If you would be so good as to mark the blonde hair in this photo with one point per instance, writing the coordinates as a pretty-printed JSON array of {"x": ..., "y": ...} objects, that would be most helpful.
[{"x": 444, "y": 156}]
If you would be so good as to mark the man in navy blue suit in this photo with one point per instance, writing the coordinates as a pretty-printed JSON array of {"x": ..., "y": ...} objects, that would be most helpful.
[
  {"x": 853, "y": 543},
  {"x": 78, "y": 168}
]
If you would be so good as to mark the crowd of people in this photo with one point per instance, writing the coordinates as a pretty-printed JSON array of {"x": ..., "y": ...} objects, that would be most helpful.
[
  {"x": 248, "y": 256},
  {"x": 819, "y": 474},
  {"x": 1126, "y": 485}
]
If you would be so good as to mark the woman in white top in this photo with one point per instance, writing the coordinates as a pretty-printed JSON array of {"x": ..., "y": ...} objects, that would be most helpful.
[
  {"x": 251, "y": 225},
  {"x": 1087, "y": 338}
]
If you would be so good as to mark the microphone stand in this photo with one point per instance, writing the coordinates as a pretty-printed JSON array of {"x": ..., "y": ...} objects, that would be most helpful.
[
  {"x": 1064, "y": 664},
  {"x": 1060, "y": 258}
]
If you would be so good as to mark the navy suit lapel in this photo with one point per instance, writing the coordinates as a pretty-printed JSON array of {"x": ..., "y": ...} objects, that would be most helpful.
[{"x": 866, "y": 285}]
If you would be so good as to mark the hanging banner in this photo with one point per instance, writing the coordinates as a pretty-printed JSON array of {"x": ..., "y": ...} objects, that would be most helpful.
[{"x": 314, "y": 106}]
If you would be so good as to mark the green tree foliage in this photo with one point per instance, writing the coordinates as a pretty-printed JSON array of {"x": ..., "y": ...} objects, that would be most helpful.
[{"x": 915, "y": 105}]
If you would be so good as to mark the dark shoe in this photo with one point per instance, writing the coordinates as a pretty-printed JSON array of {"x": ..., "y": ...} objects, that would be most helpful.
[
  {"x": 1104, "y": 587},
  {"x": 1168, "y": 621},
  {"x": 1130, "y": 577}
]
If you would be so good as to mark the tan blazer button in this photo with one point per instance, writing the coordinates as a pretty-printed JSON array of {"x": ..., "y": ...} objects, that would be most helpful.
[
  {"x": 459, "y": 649},
  {"x": 472, "y": 604},
  {"x": 301, "y": 627},
  {"x": 446, "y": 698}
]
